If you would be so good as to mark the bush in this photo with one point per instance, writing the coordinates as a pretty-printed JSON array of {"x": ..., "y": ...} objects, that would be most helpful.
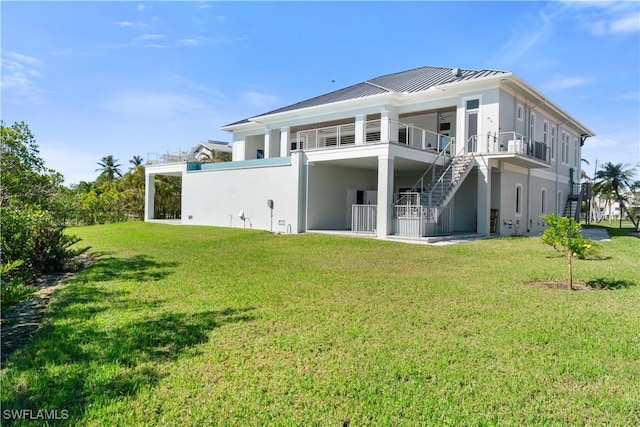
[
  {"x": 32, "y": 236},
  {"x": 12, "y": 290}
]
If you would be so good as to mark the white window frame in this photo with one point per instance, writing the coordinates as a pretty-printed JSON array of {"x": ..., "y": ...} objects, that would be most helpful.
[
  {"x": 559, "y": 206},
  {"x": 520, "y": 112},
  {"x": 532, "y": 126},
  {"x": 518, "y": 200},
  {"x": 468, "y": 112},
  {"x": 564, "y": 155},
  {"x": 554, "y": 142}
]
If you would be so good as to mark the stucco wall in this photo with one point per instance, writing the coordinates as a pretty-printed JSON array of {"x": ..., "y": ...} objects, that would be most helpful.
[
  {"x": 215, "y": 197},
  {"x": 465, "y": 203},
  {"x": 328, "y": 186}
]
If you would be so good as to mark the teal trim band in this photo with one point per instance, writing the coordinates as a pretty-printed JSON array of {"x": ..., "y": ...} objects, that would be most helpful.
[{"x": 242, "y": 164}]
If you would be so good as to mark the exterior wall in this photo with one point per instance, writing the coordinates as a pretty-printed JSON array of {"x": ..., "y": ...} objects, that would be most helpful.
[
  {"x": 328, "y": 185},
  {"x": 215, "y": 197},
  {"x": 509, "y": 122},
  {"x": 465, "y": 204},
  {"x": 509, "y": 178}
]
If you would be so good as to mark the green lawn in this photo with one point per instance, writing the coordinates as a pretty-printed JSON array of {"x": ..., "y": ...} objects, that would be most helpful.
[{"x": 181, "y": 325}]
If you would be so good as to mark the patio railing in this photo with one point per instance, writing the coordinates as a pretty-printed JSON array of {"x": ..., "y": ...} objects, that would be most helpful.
[
  {"x": 364, "y": 218},
  {"x": 422, "y": 221}
]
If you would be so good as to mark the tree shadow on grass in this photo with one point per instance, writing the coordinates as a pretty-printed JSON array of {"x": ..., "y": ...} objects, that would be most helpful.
[
  {"x": 604, "y": 283},
  {"x": 80, "y": 357},
  {"x": 75, "y": 364},
  {"x": 138, "y": 268}
]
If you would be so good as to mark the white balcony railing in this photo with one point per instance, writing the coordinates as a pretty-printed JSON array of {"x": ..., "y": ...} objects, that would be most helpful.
[
  {"x": 374, "y": 132},
  {"x": 507, "y": 143}
]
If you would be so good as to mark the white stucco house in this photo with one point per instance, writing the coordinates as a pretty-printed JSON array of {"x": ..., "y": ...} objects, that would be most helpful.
[{"x": 425, "y": 152}]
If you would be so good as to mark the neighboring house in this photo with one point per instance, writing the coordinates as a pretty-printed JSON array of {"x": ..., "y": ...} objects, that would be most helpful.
[
  {"x": 423, "y": 152},
  {"x": 210, "y": 151}
]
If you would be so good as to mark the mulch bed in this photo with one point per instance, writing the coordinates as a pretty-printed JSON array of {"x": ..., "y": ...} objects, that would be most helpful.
[{"x": 563, "y": 286}]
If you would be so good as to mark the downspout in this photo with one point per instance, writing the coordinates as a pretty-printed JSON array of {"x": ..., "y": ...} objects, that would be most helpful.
[{"x": 529, "y": 222}]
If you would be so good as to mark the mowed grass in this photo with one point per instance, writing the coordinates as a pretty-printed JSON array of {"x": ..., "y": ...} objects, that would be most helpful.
[{"x": 181, "y": 325}]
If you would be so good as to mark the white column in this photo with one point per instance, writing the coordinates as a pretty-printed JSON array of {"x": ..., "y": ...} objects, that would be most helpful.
[
  {"x": 388, "y": 125},
  {"x": 360, "y": 129},
  {"x": 484, "y": 200},
  {"x": 149, "y": 195},
  {"x": 267, "y": 143},
  {"x": 385, "y": 196},
  {"x": 285, "y": 144}
]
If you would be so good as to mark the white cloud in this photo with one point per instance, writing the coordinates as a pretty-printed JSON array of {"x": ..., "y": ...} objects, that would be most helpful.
[
  {"x": 257, "y": 99},
  {"x": 20, "y": 74},
  {"x": 626, "y": 24},
  {"x": 124, "y": 24},
  {"x": 151, "y": 37},
  {"x": 633, "y": 96},
  {"x": 603, "y": 18},
  {"x": 566, "y": 83},
  {"x": 155, "y": 105},
  {"x": 522, "y": 42},
  {"x": 142, "y": 7}
]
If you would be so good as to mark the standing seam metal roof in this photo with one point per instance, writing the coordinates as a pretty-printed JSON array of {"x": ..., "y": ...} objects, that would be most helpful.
[{"x": 411, "y": 81}]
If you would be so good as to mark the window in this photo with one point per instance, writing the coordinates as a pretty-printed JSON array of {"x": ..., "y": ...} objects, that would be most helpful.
[
  {"x": 519, "y": 112},
  {"x": 545, "y": 130},
  {"x": 532, "y": 127},
  {"x": 553, "y": 142},
  {"x": 564, "y": 149},
  {"x": 518, "y": 200},
  {"x": 576, "y": 157},
  {"x": 472, "y": 124},
  {"x": 559, "y": 204},
  {"x": 543, "y": 201}
]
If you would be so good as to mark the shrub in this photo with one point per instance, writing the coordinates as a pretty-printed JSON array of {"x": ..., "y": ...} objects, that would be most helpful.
[
  {"x": 12, "y": 290},
  {"x": 564, "y": 235}
]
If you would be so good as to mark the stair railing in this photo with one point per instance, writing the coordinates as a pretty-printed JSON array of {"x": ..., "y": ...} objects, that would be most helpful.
[
  {"x": 440, "y": 183},
  {"x": 419, "y": 185}
]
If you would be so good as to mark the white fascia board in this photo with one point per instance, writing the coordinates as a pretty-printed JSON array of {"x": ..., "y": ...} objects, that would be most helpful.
[{"x": 525, "y": 87}]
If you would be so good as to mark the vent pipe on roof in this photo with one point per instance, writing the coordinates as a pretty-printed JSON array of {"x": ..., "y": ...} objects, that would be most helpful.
[{"x": 456, "y": 72}]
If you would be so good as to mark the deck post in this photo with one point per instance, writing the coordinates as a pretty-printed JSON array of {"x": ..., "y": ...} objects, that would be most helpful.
[
  {"x": 285, "y": 145},
  {"x": 385, "y": 196},
  {"x": 149, "y": 195},
  {"x": 360, "y": 131},
  {"x": 484, "y": 200}
]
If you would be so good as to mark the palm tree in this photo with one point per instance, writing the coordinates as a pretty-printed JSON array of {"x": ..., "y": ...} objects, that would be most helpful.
[
  {"x": 109, "y": 168},
  {"x": 136, "y": 161},
  {"x": 619, "y": 178}
]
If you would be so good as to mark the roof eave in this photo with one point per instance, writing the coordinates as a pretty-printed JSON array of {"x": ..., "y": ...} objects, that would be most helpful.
[{"x": 585, "y": 131}]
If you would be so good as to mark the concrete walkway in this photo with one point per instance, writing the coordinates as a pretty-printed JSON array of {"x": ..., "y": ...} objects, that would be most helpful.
[{"x": 596, "y": 234}]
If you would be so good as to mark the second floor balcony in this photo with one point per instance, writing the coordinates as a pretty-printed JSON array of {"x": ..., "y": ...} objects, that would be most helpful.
[
  {"x": 508, "y": 145},
  {"x": 372, "y": 132}
]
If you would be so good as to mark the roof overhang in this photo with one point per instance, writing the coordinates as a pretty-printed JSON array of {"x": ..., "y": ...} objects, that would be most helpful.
[{"x": 515, "y": 83}]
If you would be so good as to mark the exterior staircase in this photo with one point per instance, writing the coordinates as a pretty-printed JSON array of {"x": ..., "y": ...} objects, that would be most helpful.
[
  {"x": 572, "y": 208},
  {"x": 423, "y": 210},
  {"x": 440, "y": 191}
]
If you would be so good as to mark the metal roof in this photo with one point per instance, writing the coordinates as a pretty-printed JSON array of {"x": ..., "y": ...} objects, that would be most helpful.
[{"x": 416, "y": 80}]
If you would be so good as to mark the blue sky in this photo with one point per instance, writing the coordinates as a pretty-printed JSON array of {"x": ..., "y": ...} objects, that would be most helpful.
[{"x": 132, "y": 78}]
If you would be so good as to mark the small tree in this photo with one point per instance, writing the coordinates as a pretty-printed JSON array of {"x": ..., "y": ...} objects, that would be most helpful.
[{"x": 564, "y": 235}]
